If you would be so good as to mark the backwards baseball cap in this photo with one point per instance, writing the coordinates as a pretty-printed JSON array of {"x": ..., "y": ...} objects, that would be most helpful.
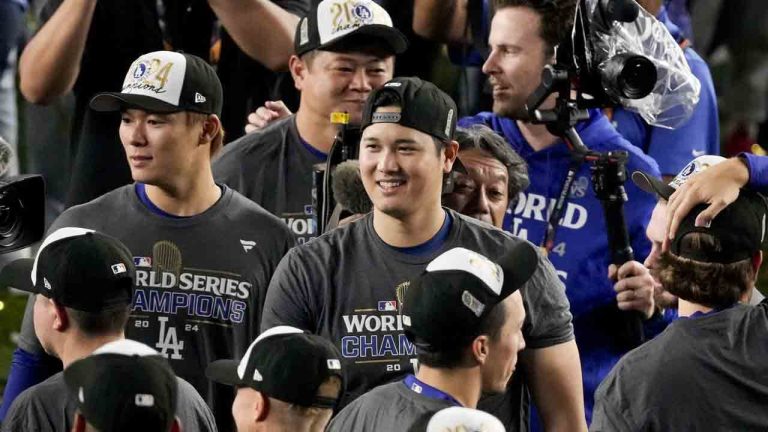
[
  {"x": 656, "y": 186},
  {"x": 739, "y": 229},
  {"x": 285, "y": 363},
  {"x": 124, "y": 386},
  {"x": 424, "y": 107},
  {"x": 458, "y": 419},
  {"x": 445, "y": 306},
  {"x": 78, "y": 268},
  {"x": 337, "y": 25},
  {"x": 166, "y": 82}
]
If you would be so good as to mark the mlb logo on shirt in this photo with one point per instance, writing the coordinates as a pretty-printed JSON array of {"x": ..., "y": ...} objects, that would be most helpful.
[
  {"x": 142, "y": 261},
  {"x": 387, "y": 306}
]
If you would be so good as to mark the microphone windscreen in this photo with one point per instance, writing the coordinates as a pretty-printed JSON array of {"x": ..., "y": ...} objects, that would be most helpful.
[{"x": 348, "y": 189}]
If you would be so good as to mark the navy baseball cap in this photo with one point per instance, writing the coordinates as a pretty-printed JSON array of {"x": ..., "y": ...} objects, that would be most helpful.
[
  {"x": 445, "y": 306},
  {"x": 285, "y": 363},
  {"x": 78, "y": 268}
]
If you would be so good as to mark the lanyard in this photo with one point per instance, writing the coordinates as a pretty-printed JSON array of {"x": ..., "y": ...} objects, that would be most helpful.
[
  {"x": 427, "y": 390},
  {"x": 557, "y": 211}
]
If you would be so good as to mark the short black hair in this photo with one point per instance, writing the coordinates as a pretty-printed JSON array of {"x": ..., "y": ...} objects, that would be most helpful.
[
  {"x": 556, "y": 17},
  {"x": 456, "y": 356},
  {"x": 483, "y": 138},
  {"x": 105, "y": 322},
  {"x": 390, "y": 98}
]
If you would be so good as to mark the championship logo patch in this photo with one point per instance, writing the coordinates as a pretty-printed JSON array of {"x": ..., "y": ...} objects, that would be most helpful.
[
  {"x": 362, "y": 13},
  {"x": 387, "y": 306},
  {"x": 142, "y": 261}
]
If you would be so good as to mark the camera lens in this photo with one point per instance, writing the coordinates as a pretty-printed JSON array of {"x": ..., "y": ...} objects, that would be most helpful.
[
  {"x": 10, "y": 218},
  {"x": 628, "y": 75}
]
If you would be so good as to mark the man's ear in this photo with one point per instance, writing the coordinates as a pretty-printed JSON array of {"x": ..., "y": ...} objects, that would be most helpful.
[
  {"x": 176, "y": 425},
  {"x": 78, "y": 423},
  {"x": 211, "y": 127},
  {"x": 451, "y": 151},
  {"x": 480, "y": 348},
  {"x": 261, "y": 406},
  {"x": 298, "y": 69},
  {"x": 60, "y": 316}
]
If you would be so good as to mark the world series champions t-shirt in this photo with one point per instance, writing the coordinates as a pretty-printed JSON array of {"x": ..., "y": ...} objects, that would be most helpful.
[
  {"x": 580, "y": 252},
  {"x": 273, "y": 167},
  {"x": 344, "y": 286},
  {"x": 200, "y": 281}
]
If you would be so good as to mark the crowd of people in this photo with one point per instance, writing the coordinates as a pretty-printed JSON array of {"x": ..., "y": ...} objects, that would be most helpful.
[{"x": 472, "y": 284}]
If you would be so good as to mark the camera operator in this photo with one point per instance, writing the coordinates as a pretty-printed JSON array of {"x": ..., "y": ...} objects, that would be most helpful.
[
  {"x": 204, "y": 253},
  {"x": 335, "y": 66},
  {"x": 463, "y": 352},
  {"x": 522, "y": 39},
  {"x": 710, "y": 368},
  {"x": 343, "y": 285}
]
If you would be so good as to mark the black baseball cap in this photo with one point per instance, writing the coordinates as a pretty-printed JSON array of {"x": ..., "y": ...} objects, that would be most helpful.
[
  {"x": 124, "y": 386},
  {"x": 166, "y": 82},
  {"x": 340, "y": 25},
  {"x": 424, "y": 107},
  {"x": 285, "y": 363},
  {"x": 654, "y": 185},
  {"x": 739, "y": 228},
  {"x": 78, "y": 268},
  {"x": 444, "y": 307}
]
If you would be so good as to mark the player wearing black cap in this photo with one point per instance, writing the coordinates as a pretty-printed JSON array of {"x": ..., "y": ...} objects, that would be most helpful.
[
  {"x": 288, "y": 380},
  {"x": 83, "y": 281},
  {"x": 465, "y": 316},
  {"x": 204, "y": 254},
  {"x": 343, "y": 285},
  {"x": 343, "y": 51},
  {"x": 708, "y": 369}
]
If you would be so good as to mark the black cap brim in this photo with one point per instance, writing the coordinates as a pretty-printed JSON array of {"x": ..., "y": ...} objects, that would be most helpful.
[
  {"x": 519, "y": 264},
  {"x": 396, "y": 41},
  {"x": 18, "y": 274},
  {"x": 224, "y": 372},
  {"x": 652, "y": 185},
  {"x": 108, "y": 102}
]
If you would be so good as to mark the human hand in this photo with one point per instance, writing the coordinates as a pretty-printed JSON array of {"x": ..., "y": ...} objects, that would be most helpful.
[
  {"x": 635, "y": 287},
  {"x": 263, "y": 116},
  {"x": 717, "y": 186}
]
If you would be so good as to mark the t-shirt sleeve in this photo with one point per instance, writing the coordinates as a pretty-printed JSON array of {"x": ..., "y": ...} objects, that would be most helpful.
[
  {"x": 606, "y": 414},
  {"x": 289, "y": 299},
  {"x": 26, "y": 414},
  {"x": 758, "y": 171},
  {"x": 548, "y": 316},
  {"x": 192, "y": 410}
]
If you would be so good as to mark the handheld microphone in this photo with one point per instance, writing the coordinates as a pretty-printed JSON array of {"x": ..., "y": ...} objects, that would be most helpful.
[{"x": 348, "y": 189}]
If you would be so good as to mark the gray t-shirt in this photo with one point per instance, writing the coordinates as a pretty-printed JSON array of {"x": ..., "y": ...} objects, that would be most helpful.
[
  {"x": 391, "y": 407},
  {"x": 702, "y": 373},
  {"x": 200, "y": 281},
  {"x": 273, "y": 167},
  {"x": 48, "y": 407},
  {"x": 344, "y": 286}
]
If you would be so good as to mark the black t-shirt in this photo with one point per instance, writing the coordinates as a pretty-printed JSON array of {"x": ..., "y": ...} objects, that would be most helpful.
[
  {"x": 343, "y": 285},
  {"x": 701, "y": 373},
  {"x": 273, "y": 168},
  {"x": 200, "y": 281}
]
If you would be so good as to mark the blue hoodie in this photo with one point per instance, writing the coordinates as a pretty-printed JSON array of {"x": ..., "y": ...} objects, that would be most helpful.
[{"x": 580, "y": 255}]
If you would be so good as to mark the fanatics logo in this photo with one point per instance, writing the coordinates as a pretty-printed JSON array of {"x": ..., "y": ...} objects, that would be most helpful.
[
  {"x": 247, "y": 244},
  {"x": 199, "y": 98}
]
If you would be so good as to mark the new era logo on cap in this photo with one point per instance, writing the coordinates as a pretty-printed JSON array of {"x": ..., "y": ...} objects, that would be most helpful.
[{"x": 199, "y": 98}]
